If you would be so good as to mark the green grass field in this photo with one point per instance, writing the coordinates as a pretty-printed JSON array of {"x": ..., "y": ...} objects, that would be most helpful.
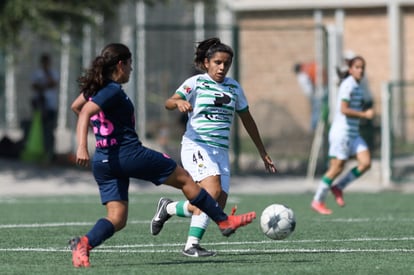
[{"x": 373, "y": 234}]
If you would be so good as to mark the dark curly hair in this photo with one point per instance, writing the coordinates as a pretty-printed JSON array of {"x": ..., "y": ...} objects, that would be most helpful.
[
  {"x": 206, "y": 49},
  {"x": 99, "y": 73},
  {"x": 350, "y": 63}
]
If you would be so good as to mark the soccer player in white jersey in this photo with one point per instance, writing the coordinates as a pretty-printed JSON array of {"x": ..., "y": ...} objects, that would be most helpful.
[
  {"x": 345, "y": 140},
  {"x": 211, "y": 101}
]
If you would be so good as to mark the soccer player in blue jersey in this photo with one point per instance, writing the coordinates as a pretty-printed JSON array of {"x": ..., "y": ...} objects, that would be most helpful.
[
  {"x": 119, "y": 155},
  {"x": 345, "y": 140},
  {"x": 211, "y": 101}
]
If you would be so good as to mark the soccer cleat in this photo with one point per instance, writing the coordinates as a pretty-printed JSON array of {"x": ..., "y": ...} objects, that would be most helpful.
[
  {"x": 197, "y": 251},
  {"x": 338, "y": 194},
  {"x": 233, "y": 210},
  {"x": 321, "y": 208},
  {"x": 229, "y": 226},
  {"x": 80, "y": 251},
  {"x": 160, "y": 217}
]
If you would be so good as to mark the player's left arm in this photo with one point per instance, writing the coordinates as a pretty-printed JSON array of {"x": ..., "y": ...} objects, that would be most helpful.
[
  {"x": 88, "y": 110},
  {"x": 251, "y": 128}
]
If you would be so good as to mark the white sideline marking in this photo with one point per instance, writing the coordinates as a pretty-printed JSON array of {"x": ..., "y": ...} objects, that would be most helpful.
[
  {"x": 264, "y": 242},
  {"x": 154, "y": 248},
  {"x": 388, "y": 219},
  {"x": 55, "y": 224},
  {"x": 63, "y": 224},
  {"x": 266, "y": 251}
]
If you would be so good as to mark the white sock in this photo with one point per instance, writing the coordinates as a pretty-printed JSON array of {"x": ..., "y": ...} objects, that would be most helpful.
[
  {"x": 346, "y": 180},
  {"x": 321, "y": 192},
  {"x": 190, "y": 241},
  {"x": 198, "y": 226},
  {"x": 179, "y": 208},
  {"x": 171, "y": 208}
]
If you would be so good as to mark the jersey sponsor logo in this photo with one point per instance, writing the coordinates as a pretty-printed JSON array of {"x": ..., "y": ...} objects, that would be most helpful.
[
  {"x": 209, "y": 116},
  {"x": 104, "y": 128},
  {"x": 104, "y": 143},
  {"x": 221, "y": 99},
  {"x": 187, "y": 89}
]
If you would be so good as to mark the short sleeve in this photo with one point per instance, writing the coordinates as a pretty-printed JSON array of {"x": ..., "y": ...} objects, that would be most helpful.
[{"x": 187, "y": 89}]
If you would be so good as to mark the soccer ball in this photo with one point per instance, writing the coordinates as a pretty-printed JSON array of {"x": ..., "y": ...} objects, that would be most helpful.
[{"x": 277, "y": 221}]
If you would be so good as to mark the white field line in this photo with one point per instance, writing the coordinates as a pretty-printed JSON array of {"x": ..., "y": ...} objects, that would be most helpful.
[
  {"x": 64, "y": 224},
  {"x": 160, "y": 248},
  {"x": 355, "y": 220},
  {"x": 266, "y": 242},
  {"x": 176, "y": 247},
  {"x": 247, "y": 250},
  {"x": 40, "y": 225}
]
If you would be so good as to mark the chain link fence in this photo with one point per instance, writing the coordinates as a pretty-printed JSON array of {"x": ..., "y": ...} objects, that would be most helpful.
[
  {"x": 263, "y": 64},
  {"x": 401, "y": 131}
]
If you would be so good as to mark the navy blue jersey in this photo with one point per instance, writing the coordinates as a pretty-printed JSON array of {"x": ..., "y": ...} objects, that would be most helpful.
[
  {"x": 119, "y": 153},
  {"x": 114, "y": 126}
]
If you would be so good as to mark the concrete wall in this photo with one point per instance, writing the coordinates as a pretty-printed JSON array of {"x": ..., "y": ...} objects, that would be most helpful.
[{"x": 267, "y": 56}]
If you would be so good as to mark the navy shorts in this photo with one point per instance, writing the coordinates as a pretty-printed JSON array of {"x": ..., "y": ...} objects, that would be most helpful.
[{"x": 113, "y": 174}]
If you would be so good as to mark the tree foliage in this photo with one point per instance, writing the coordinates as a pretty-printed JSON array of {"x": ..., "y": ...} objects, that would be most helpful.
[{"x": 49, "y": 18}]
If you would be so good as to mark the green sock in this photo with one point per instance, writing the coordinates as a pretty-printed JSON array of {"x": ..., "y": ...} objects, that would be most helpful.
[{"x": 182, "y": 209}]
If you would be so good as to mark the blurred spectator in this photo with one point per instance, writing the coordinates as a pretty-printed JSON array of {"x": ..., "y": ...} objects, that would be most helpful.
[
  {"x": 45, "y": 81},
  {"x": 306, "y": 76}
]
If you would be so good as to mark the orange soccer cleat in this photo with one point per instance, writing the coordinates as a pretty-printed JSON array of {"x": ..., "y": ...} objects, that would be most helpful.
[
  {"x": 339, "y": 196},
  {"x": 229, "y": 226},
  {"x": 80, "y": 251},
  {"x": 321, "y": 208}
]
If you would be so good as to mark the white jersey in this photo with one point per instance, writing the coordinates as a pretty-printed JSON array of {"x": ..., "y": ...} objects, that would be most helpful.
[
  {"x": 214, "y": 105},
  {"x": 344, "y": 126}
]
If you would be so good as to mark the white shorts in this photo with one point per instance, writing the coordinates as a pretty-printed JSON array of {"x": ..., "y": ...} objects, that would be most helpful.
[
  {"x": 202, "y": 161},
  {"x": 343, "y": 148}
]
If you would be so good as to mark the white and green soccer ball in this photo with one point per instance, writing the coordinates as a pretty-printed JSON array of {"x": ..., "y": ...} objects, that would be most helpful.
[{"x": 277, "y": 221}]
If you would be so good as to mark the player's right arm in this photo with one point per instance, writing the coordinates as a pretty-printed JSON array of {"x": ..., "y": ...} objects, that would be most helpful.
[{"x": 177, "y": 102}]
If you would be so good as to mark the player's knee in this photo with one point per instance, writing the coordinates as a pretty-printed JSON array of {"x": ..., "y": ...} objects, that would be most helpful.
[
  {"x": 179, "y": 178},
  {"x": 335, "y": 170},
  {"x": 365, "y": 166}
]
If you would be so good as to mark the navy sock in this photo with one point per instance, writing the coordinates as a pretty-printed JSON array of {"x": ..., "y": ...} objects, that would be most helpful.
[
  {"x": 102, "y": 230},
  {"x": 209, "y": 206}
]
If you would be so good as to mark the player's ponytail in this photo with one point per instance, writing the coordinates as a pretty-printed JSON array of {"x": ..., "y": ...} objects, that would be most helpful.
[{"x": 100, "y": 72}]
